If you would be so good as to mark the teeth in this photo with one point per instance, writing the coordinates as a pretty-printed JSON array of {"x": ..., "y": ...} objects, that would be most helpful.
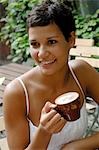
[{"x": 48, "y": 62}]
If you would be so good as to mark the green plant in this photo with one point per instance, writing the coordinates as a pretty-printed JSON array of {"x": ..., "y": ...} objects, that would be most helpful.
[
  {"x": 14, "y": 31},
  {"x": 4, "y": 2},
  {"x": 88, "y": 27}
]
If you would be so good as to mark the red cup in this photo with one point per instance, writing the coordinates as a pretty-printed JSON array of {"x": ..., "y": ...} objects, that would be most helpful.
[{"x": 68, "y": 105}]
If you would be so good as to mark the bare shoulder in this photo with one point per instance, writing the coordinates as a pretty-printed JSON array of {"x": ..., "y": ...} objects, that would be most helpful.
[
  {"x": 14, "y": 93},
  {"x": 79, "y": 64},
  {"x": 13, "y": 98},
  {"x": 89, "y": 75},
  {"x": 83, "y": 68},
  {"x": 12, "y": 87}
]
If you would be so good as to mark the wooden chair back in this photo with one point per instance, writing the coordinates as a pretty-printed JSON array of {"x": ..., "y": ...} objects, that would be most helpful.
[{"x": 84, "y": 42}]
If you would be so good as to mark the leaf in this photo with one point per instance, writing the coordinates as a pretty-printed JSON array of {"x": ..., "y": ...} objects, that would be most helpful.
[{"x": 2, "y": 80}]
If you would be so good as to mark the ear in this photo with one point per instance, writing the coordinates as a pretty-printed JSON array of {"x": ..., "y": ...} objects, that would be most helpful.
[{"x": 72, "y": 39}]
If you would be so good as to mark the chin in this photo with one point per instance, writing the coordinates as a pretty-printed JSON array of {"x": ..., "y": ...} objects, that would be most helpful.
[{"x": 47, "y": 71}]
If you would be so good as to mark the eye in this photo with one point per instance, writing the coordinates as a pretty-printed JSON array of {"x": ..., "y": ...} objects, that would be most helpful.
[
  {"x": 35, "y": 44},
  {"x": 52, "y": 42}
]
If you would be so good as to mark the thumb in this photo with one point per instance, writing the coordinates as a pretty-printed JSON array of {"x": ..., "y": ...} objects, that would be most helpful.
[{"x": 48, "y": 106}]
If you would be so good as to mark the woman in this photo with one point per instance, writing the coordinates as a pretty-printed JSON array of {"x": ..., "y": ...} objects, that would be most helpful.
[{"x": 30, "y": 118}]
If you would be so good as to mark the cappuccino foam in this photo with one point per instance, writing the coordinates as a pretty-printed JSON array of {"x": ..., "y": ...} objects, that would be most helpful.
[{"x": 66, "y": 98}]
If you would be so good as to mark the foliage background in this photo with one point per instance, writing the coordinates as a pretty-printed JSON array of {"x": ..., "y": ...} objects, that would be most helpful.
[
  {"x": 88, "y": 26},
  {"x": 14, "y": 32}
]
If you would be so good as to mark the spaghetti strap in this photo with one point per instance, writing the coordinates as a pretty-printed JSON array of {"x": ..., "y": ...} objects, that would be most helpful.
[
  {"x": 26, "y": 94},
  {"x": 77, "y": 81}
]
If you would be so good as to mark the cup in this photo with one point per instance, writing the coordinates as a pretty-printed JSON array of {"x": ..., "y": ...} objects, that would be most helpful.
[{"x": 68, "y": 105}]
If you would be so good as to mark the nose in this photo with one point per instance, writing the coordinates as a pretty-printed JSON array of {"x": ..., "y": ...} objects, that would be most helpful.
[{"x": 43, "y": 53}]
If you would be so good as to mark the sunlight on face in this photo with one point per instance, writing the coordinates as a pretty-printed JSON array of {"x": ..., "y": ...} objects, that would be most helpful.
[{"x": 48, "y": 47}]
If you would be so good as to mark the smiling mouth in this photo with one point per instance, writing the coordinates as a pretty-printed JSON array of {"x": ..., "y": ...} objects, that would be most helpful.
[{"x": 47, "y": 62}]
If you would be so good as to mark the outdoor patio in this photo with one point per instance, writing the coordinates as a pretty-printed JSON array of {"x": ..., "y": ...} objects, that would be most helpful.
[{"x": 14, "y": 49}]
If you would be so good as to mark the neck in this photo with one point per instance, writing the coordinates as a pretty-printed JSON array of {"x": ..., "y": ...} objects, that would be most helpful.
[{"x": 58, "y": 80}]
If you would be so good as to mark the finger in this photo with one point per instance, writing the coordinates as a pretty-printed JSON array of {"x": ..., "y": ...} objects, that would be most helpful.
[
  {"x": 48, "y": 116},
  {"x": 59, "y": 126},
  {"x": 47, "y": 107},
  {"x": 55, "y": 118}
]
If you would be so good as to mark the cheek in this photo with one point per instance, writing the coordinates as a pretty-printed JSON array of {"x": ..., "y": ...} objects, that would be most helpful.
[{"x": 34, "y": 54}]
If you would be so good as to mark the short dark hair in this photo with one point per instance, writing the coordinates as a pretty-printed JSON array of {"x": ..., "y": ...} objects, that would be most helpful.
[{"x": 50, "y": 11}]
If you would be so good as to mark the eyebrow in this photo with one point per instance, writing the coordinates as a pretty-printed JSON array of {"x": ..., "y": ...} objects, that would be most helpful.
[
  {"x": 31, "y": 40},
  {"x": 52, "y": 37}
]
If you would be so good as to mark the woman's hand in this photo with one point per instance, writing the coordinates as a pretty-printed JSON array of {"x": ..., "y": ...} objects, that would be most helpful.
[{"x": 50, "y": 120}]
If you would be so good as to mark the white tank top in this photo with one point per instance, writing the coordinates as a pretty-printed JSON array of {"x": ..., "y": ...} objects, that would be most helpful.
[{"x": 71, "y": 131}]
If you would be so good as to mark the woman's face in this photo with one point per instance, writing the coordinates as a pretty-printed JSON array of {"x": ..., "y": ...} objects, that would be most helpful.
[{"x": 49, "y": 48}]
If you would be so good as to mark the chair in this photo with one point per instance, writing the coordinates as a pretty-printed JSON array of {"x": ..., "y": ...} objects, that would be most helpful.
[
  {"x": 84, "y": 42},
  {"x": 3, "y": 140}
]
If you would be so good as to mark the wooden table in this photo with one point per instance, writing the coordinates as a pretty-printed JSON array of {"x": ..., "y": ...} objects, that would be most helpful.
[{"x": 10, "y": 71}]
